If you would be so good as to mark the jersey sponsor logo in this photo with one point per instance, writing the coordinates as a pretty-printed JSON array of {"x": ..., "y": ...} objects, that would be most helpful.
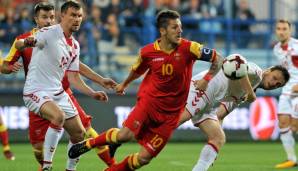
[
  {"x": 158, "y": 59},
  {"x": 263, "y": 119}
]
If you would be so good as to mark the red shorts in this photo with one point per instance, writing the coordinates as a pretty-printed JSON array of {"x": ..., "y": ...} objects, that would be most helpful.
[
  {"x": 39, "y": 126},
  {"x": 86, "y": 119},
  {"x": 152, "y": 130}
]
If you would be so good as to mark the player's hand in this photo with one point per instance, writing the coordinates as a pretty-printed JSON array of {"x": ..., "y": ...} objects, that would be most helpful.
[
  {"x": 15, "y": 67},
  {"x": 30, "y": 42},
  {"x": 295, "y": 89},
  {"x": 100, "y": 95},
  {"x": 108, "y": 83},
  {"x": 120, "y": 89},
  {"x": 201, "y": 84}
]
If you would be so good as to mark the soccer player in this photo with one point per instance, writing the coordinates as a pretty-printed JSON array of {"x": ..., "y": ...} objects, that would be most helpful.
[
  {"x": 208, "y": 108},
  {"x": 57, "y": 51},
  {"x": 162, "y": 95},
  {"x": 4, "y": 134},
  {"x": 287, "y": 53}
]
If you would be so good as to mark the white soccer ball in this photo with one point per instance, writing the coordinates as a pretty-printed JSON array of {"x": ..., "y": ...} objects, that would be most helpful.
[{"x": 235, "y": 66}]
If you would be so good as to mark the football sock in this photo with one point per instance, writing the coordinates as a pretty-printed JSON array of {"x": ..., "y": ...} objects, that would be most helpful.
[
  {"x": 4, "y": 137},
  {"x": 110, "y": 136},
  {"x": 101, "y": 151},
  {"x": 38, "y": 155},
  {"x": 128, "y": 164},
  {"x": 207, "y": 157},
  {"x": 288, "y": 142},
  {"x": 71, "y": 164},
  {"x": 52, "y": 138}
]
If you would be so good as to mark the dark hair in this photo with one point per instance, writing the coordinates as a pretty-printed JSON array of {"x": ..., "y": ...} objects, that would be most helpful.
[
  {"x": 283, "y": 70},
  {"x": 163, "y": 17},
  {"x": 284, "y": 21},
  {"x": 43, "y": 6},
  {"x": 70, "y": 4}
]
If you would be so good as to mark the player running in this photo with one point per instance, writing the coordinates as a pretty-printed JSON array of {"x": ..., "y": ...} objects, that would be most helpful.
[
  {"x": 65, "y": 58},
  {"x": 162, "y": 95},
  {"x": 286, "y": 50}
]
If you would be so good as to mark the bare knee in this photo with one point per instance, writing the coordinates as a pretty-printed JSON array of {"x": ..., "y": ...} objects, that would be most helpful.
[
  {"x": 77, "y": 136},
  {"x": 217, "y": 140},
  {"x": 58, "y": 119},
  {"x": 125, "y": 135},
  {"x": 144, "y": 158}
]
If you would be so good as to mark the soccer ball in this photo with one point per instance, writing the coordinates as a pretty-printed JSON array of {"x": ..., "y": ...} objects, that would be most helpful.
[{"x": 235, "y": 66}]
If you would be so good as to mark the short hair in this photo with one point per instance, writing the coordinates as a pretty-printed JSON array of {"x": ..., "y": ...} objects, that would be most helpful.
[
  {"x": 284, "y": 21},
  {"x": 43, "y": 6},
  {"x": 163, "y": 17},
  {"x": 70, "y": 4},
  {"x": 283, "y": 70}
]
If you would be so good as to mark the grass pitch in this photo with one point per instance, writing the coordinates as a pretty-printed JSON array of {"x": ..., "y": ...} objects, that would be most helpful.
[{"x": 175, "y": 157}]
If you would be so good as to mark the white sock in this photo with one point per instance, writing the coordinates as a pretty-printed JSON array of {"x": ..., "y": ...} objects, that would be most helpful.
[
  {"x": 288, "y": 143},
  {"x": 51, "y": 140},
  {"x": 207, "y": 157},
  {"x": 71, "y": 164}
]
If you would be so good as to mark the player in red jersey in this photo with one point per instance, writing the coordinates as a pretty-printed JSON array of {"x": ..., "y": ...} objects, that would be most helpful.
[
  {"x": 168, "y": 64},
  {"x": 44, "y": 16},
  {"x": 4, "y": 133}
]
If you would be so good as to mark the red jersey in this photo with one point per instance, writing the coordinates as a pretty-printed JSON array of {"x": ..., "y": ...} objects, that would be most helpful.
[
  {"x": 26, "y": 54},
  {"x": 166, "y": 84}
]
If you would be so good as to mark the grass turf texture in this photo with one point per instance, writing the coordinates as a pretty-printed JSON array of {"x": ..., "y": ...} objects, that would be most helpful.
[{"x": 175, "y": 157}]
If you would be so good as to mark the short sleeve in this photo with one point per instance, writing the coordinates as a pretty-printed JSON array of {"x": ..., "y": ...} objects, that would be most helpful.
[
  {"x": 13, "y": 54},
  {"x": 140, "y": 66}
]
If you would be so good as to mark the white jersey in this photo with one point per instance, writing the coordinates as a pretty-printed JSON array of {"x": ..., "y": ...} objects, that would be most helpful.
[
  {"x": 229, "y": 91},
  {"x": 50, "y": 59},
  {"x": 288, "y": 57}
]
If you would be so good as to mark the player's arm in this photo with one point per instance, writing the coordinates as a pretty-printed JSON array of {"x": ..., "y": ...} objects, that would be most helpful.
[
  {"x": 10, "y": 63},
  {"x": 75, "y": 80},
  {"x": 208, "y": 55},
  {"x": 250, "y": 95},
  {"x": 90, "y": 74},
  {"x": 21, "y": 44},
  {"x": 137, "y": 70}
]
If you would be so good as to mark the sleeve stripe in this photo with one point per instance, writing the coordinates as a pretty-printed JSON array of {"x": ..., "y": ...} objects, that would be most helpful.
[
  {"x": 137, "y": 63},
  {"x": 12, "y": 53},
  {"x": 213, "y": 55}
]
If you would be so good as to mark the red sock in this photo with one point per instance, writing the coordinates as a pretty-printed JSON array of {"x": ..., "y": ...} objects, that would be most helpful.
[
  {"x": 105, "y": 156},
  {"x": 4, "y": 137}
]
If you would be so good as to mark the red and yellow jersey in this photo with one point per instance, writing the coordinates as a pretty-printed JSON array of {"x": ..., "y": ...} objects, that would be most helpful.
[
  {"x": 166, "y": 84},
  {"x": 1, "y": 62},
  {"x": 26, "y": 54},
  {"x": 14, "y": 54}
]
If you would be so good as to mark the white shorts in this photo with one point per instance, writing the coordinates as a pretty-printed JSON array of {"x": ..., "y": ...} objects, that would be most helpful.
[
  {"x": 35, "y": 100},
  {"x": 288, "y": 105},
  {"x": 200, "y": 105}
]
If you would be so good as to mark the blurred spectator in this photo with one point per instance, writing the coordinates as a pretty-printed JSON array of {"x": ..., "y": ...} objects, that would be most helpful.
[
  {"x": 210, "y": 10},
  {"x": 107, "y": 43},
  {"x": 25, "y": 21},
  {"x": 9, "y": 28},
  {"x": 244, "y": 16}
]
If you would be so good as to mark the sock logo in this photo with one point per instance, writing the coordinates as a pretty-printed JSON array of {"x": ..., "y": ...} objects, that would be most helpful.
[{"x": 52, "y": 149}]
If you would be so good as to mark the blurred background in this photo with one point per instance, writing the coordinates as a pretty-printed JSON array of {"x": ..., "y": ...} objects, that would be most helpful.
[{"x": 114, "y": 30}]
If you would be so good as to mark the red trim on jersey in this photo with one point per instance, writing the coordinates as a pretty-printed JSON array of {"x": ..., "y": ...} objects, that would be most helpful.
[
  {"x": 225, "y": 107},
  {"x": 284, "y": 47}
]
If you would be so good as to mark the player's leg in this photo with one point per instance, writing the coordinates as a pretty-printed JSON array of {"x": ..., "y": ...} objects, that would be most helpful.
[
  {"x": 76, "y": 132},
  {"x": 114, "y": 135},
  {"x": 102, "y": 152},
  {"x": 216, "y": 139},
  {"x": 286, "y": 135},
  {"x": 4, "y": 139},
  {"x": 52, "y": 112}
]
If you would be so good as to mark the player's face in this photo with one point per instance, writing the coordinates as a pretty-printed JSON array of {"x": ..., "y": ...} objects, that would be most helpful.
[
  {"x": 173, "y": 31},
  {"x": 283, "y": 31},
  {"x": 273, "y": 79},
  {"x": 45, "y": 18},
  {"x": 73, "y": 18}
]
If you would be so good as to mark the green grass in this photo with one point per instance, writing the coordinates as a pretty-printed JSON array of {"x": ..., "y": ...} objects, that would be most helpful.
[{"x": 175, "y": 157}]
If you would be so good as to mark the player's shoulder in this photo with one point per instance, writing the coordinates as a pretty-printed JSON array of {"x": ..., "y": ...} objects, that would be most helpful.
[
  {"x": 24, "y": 35},
  {"x": 254, "y": 69},
  {"x": 50, "y": 29},
  {"x": 151, "y": 47}
]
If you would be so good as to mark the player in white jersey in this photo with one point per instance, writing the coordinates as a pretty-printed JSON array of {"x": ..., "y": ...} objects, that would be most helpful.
[
  {"x": 56, "y": 51},
  {"x": 286, "y": 50},
  {"x": 207, "y": 108}
]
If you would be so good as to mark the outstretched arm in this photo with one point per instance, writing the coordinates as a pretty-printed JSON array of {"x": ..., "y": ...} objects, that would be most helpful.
[
  {"x": 76, "y": 81},
  {"x": 120, "y": 88},
  {"x": 90, "y": 74}
]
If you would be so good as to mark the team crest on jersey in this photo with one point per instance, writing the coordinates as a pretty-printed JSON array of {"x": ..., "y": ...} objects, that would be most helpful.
[
  {"x": 263, "y": 119},
  {"x": 158, "y": 59}
]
